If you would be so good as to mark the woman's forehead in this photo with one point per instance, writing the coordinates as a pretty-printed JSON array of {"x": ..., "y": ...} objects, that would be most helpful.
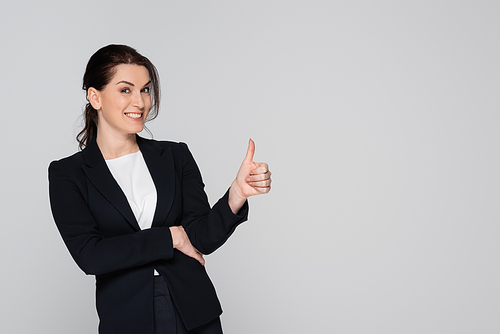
[{"x": 136, "y": 74}]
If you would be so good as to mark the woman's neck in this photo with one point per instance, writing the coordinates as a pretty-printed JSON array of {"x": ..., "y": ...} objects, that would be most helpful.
[{"x": 113, "y": 146}]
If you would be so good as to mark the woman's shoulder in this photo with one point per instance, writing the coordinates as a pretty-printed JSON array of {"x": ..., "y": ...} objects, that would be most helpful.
[
  {"x": 177, "y": 147},
  {"x": 67, "y": 163},
  {"x": 74, "y": 159}
]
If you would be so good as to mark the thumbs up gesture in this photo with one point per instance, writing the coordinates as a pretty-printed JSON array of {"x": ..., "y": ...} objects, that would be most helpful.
[{"x": 253, "y": 178}]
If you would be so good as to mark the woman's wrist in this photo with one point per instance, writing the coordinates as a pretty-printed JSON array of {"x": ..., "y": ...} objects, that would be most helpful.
[
  {"x": 235, "y": 200},
  {"x": 176, "y": 238}
]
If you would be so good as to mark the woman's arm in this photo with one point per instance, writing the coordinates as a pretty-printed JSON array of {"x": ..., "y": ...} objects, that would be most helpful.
[
  {"x": 94, "y": 253},
  {"x": 209, "y": 228}
]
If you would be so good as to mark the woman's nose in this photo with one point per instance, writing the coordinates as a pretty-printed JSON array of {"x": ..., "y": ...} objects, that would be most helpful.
[{"x": 138, "y": 100}]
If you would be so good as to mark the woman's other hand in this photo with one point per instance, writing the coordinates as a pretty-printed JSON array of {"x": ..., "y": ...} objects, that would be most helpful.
[
  {"x": 253, "y": 178},
  {"x": 181, "y": 242}
]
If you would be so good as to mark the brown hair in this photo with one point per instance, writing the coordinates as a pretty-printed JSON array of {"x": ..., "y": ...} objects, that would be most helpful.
[{"x": 100, "y": 70}]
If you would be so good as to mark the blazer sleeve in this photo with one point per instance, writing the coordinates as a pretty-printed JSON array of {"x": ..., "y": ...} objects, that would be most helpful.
[
  {"x": 93, "y": 253},
  {"x": 208, "y": 229}
]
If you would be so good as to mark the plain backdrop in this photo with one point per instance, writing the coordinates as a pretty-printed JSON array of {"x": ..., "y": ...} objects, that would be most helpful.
[{"x": 379, "y": 119}]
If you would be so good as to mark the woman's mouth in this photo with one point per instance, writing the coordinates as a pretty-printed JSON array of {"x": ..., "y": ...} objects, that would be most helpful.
[{"x": 133, "y": 115}]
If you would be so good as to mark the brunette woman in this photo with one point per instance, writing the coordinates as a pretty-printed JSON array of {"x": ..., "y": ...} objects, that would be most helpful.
[{"x": 133, "y": 211}]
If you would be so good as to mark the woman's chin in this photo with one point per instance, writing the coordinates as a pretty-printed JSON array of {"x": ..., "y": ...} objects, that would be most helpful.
[{"x": 137, "y": 129}]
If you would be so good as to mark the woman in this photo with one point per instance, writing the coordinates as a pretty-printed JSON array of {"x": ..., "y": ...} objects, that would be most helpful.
[{"x": 133, "y": 211}]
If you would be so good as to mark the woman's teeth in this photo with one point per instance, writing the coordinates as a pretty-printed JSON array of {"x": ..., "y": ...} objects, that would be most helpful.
[{"x": 134, "y": 115}]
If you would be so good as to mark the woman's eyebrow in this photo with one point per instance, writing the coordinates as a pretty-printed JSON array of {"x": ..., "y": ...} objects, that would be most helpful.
[
  {"x": 131, "y": 84},
  {"x": 125, "y": 82}
]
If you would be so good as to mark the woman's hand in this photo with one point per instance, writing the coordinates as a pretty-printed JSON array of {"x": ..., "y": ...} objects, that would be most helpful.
[
  {"x": 181, "y": 242},
  {"x": 252, "y": 179}
]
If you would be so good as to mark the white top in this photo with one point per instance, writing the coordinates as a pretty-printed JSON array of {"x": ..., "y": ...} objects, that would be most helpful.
[{"x": 132, "y": 175}]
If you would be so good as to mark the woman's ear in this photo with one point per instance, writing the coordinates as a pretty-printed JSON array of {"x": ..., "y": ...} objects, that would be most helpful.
[{"x": 94, "y": 97}]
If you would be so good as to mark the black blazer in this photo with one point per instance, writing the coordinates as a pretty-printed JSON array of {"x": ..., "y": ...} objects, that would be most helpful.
[{"x": 103, "y": 237}]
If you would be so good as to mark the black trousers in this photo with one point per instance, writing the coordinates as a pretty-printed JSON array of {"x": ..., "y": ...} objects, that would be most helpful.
[{"x": 168, "y": 321}]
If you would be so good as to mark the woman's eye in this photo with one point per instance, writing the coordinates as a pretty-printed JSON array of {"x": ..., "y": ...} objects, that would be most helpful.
[
  {"x": 146, "y": 90},
  {"x": 125, "y": 90}
]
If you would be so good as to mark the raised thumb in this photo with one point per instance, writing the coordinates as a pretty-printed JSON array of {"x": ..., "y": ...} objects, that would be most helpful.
[{"x": 250, "y": 151}]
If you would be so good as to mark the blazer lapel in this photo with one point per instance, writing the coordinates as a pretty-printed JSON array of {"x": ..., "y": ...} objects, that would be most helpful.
[
  {"x": 160, "y": 162},
  {"x": 98, "y": 173}
]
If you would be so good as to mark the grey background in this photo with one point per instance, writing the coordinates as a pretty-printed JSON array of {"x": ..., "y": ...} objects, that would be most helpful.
[{"x": 379, "y": 119}]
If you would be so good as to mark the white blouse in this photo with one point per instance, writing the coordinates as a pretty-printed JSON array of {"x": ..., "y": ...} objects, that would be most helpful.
[{"x": 132, "y": 175}]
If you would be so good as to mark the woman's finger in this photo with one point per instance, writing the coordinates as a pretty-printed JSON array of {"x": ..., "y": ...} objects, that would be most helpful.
[
  {"x": 181, "y": 242},
  {"x": 260, "y": 184},
  {"x": 261, "y": 169},
  {"x": 259, "y": 177},
  {"x": 198, "y": 256}
]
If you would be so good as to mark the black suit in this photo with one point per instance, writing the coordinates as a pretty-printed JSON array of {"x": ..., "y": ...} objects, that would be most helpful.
[{"x": 102, "y": 234}]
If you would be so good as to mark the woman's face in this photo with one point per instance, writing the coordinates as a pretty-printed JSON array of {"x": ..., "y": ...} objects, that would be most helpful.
[{"x": 123, "y": 104}]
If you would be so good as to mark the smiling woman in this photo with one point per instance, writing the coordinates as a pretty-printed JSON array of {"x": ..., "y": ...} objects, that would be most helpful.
[
  {"x": 101, "y": 69},
  {"x": 134, "y": 213},
  {"x": 122, "y": 108}
]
